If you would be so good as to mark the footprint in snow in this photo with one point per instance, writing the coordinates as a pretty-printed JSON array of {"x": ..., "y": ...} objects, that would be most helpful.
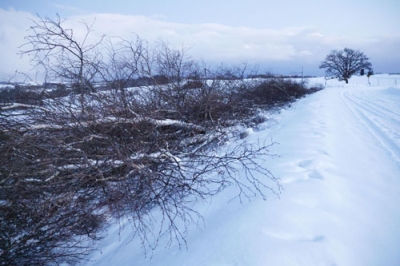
[
  {"x": 315, "y": 175},
  {"x": 308, "y": 166}
]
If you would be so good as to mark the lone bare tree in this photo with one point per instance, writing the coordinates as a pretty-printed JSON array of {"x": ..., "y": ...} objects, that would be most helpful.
[{"x": 342, "y": 64}]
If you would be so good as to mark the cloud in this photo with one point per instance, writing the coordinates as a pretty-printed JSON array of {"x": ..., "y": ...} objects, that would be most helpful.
[
  {"x": 209, "y": 41},
  {"x": 288, "y": 48}
]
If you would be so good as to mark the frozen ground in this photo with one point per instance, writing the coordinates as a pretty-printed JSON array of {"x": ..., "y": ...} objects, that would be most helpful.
[{"x": 339, "y": 164}]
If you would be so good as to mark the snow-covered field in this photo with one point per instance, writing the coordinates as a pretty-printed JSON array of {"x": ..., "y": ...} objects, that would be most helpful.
[{"x": 339, "y": 164}]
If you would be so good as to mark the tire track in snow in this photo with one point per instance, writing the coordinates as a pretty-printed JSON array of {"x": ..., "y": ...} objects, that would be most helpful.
[
  {"x": 387, "y": 121},
  {"x": 373, "y": 104},
  {"x": 380, "y": 108},
  {"x": 378, "y": 119}
]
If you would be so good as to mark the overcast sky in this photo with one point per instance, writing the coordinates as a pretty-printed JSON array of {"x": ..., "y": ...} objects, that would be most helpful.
[{"x": 281, "y": 36}]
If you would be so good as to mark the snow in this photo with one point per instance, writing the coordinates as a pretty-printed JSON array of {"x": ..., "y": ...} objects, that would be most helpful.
[{"x": 339, "y": 165}]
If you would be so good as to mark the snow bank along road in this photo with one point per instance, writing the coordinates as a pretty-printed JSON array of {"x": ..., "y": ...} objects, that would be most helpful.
[{"x": 339, "y": 164}]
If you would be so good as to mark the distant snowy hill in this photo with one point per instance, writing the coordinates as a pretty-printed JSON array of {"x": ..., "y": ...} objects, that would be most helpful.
[{"x": 339, "y": 164}]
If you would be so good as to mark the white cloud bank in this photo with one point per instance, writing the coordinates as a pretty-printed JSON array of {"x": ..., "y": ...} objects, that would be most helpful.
[{"x": 285, "y": 51}]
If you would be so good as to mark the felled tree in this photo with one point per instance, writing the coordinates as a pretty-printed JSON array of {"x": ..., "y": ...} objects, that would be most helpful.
[
  {"x": 62, "y": 55},
  {"x": 343, "y": 64},
  {"x": 73, "y": 164}
]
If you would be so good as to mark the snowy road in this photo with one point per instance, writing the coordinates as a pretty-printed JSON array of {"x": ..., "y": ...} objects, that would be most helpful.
[{"x": 339, "y": 165}]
